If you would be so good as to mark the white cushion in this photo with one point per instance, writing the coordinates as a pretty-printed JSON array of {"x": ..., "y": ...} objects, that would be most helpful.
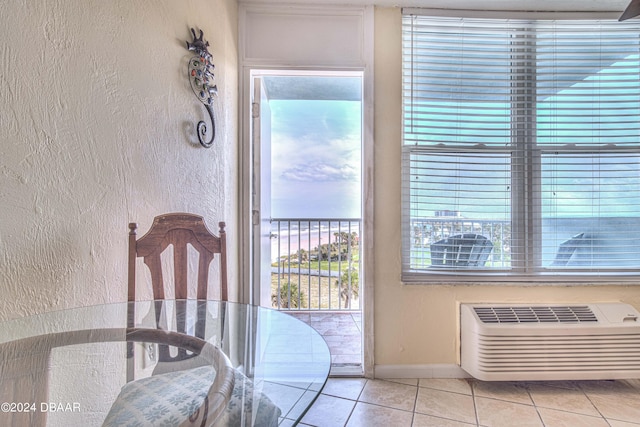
[{"x": 172, "y": 398}]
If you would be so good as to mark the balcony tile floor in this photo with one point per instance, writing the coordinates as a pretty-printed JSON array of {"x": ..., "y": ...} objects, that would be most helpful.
[
  {"x": 340, "y": 330},
  {"x": 358, "y": 402}
]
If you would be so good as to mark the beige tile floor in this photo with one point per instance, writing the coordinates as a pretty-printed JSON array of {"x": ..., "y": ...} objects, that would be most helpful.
[{"x": 465, "y": 402}]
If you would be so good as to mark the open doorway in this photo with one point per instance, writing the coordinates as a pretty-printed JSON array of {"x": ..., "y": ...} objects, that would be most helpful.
[{"x": 307, "y": 137}]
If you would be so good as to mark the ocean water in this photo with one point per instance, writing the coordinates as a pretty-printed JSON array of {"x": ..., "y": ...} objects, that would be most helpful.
[{"x": 291, "y": 235}]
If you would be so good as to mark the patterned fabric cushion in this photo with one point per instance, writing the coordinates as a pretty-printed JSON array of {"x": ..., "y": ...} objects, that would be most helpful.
[
  {"x": 161, "y": 400},
  {"x": 170, "y": 399},
  {"x": 248, "y": 407}
]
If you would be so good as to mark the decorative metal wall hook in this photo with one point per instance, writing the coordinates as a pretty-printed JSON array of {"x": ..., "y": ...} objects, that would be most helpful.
[{"x": 201, "y": 79}]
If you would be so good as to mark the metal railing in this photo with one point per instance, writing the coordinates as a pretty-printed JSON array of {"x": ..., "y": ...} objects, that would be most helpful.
[{"x": 315, "y": 263}]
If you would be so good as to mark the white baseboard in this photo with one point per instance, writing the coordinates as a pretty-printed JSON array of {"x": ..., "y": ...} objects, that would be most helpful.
[{"x": 420, "y": 371}]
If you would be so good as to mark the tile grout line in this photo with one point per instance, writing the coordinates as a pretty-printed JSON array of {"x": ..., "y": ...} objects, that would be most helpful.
[
  {"x": 356, "y": 402},
  {"x": 415, "y": 402},
  {"x": 412, "y": 412},
  {"x": 594, "y": 405},
  {"x": 538, "y": 407},
  {"x": 535, "y": 406},
  {"x": 473, "y": 399}
]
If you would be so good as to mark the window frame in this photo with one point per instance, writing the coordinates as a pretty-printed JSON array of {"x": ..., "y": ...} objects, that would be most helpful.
[{"x": 526, "y": 183}]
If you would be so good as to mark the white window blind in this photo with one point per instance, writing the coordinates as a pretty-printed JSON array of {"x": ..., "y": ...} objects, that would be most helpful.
[{"x": 521, "y": 148}]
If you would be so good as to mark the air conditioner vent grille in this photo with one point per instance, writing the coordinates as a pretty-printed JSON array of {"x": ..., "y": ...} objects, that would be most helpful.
[{"x": 538, "y": 314}]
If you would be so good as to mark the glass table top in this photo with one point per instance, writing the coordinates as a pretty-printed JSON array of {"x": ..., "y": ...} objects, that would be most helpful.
[{"x": 91, "y": 366}]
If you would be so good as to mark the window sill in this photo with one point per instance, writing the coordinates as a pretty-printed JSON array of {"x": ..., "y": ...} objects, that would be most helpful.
[{"x": 500, "y": 279}]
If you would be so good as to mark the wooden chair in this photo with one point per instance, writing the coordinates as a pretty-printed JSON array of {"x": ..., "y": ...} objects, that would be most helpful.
[
  {"x": 462, "y": 250},
  {"x": 179, "y": 231}
]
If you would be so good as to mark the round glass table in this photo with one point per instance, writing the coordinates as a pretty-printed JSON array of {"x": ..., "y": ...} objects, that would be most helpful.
[{"x": 172, "y": 362}]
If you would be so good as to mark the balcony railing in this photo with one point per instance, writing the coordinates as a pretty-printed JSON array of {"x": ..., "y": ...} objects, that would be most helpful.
[{"x": 315, "y": 264}]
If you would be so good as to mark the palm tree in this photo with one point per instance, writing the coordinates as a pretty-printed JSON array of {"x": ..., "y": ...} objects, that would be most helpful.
[{"x": 349, "y": 285}]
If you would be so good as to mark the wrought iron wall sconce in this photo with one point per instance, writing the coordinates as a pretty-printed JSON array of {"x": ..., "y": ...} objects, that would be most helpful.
[{"x": 201, "y": 80}]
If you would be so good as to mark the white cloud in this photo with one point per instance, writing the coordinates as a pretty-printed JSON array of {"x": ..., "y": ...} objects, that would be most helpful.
[{"x": 315, "y": 171}]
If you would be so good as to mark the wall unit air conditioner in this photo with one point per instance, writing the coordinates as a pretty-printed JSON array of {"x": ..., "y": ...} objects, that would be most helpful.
[{"x": 500, "y": 342}]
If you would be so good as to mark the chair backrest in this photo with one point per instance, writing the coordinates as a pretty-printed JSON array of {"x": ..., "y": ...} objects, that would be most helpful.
[
  {"x": 588, "y": 249},
  {"x": 462, "y": 250},
  {"x": 179, "y": 230},
  {"x": 566, "y": 250}
]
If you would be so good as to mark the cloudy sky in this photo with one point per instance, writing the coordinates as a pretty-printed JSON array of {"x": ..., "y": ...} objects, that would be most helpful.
[{"x": 315, "y": 159}]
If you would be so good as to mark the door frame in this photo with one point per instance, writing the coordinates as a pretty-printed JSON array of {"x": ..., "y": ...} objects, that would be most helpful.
[
  {"x": 247, "y": 273},
  {"x": 294, "y": 37}
]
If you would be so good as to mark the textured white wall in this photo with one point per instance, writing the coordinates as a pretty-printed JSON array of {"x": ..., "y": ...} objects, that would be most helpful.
[{"x": 97, "y": 129}]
